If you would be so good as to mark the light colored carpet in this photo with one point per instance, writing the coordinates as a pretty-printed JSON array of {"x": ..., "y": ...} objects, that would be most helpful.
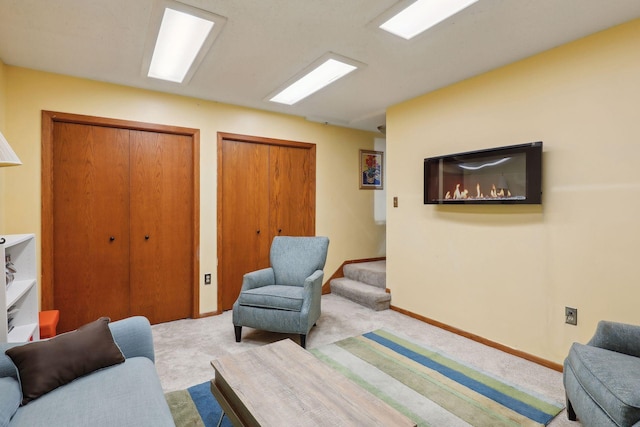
[{"x": 184, "y": 348}]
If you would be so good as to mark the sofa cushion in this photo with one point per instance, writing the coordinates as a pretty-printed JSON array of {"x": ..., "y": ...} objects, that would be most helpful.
[
  {"x": 611, "y": 379},
  {"x": 277, "y": 297},
  {"x": 46, "y": 365},
  {"x": 9, "y": 399},
  {"x": 124, "y": 395}
]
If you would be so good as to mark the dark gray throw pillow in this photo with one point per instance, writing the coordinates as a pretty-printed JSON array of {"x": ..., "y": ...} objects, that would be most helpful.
[{"x": 46, "y": 365}]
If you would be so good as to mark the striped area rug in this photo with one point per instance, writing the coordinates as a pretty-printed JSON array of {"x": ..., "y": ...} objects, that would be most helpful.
[
  {"x": 195, "y": 407},
  {"x": 431, "y": 388}
]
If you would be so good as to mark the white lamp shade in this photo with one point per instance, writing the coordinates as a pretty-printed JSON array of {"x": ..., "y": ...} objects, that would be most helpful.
[{"x": 7, "y": 156}]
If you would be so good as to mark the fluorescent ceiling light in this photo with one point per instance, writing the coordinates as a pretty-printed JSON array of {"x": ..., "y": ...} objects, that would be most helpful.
[
  {"x": 422, "y": 15},
  {"x": 326, "y": 73},
  {"x": 180, "y": 38}
]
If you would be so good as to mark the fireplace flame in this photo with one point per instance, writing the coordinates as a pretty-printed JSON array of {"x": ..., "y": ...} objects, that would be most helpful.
[{"x": 462, "y": 194}]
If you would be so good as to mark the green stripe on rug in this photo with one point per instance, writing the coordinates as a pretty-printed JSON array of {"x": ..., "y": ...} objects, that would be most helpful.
[
  {"x": 362, "y": 382},
  {"x": 183, "y": 409},
  {"x": 432, "y": 388}
]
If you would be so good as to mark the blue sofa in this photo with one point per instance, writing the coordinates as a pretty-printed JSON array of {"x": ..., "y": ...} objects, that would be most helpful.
[{"x": 126, "y": 394}]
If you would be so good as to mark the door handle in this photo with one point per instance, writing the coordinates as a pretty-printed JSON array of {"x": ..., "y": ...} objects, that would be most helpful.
[
  {"x": 146, "y": 237},
  {"x": 111, "y": 239},
  {"x": 279, "y": 230},
  {"x": 257, "y": 231}
]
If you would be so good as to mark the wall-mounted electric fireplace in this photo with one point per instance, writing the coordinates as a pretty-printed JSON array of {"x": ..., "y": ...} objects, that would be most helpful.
[{"x": 503, "y": 175}]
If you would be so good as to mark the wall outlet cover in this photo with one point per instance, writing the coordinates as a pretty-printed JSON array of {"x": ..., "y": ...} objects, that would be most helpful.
[{"x": 571, "y": 315}]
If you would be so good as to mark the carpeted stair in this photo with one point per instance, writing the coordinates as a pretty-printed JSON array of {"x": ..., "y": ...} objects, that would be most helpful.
[{"x": 364, "y": 283}]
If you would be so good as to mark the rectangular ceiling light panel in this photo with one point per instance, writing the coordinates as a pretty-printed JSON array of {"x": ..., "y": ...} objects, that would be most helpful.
[
  {"x": 422, "y": 15},
  {"x": 326, "y": 73},
  {"x": 180, "y": 39}
]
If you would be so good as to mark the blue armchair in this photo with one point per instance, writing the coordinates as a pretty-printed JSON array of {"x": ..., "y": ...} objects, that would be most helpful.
[
  {"x": 602, "y": 378},
  {"x": 286, "y": 296}
]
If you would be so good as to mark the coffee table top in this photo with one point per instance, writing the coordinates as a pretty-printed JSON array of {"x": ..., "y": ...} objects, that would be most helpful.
[{"x": 282, "y": 384}]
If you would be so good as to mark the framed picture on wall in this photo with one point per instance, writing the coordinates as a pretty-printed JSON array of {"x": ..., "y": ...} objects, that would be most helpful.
[{"x": 371, "y": 173}]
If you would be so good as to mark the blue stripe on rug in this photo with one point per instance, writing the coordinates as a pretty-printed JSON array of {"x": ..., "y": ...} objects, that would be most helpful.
[
  {"x": 495, "y": 395},
  {"x": 207, "y": 406}
]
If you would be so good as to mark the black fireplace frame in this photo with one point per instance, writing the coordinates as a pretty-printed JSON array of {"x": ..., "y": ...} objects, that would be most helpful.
[{"x": 475, "y": 177}]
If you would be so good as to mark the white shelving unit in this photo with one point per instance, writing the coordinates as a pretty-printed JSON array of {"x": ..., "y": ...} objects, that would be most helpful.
[{"x": 22, "y": 293}]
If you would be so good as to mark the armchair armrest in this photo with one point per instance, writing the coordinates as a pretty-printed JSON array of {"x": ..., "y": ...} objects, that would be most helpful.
[
  {"x": 314, "y": 279},
  {"x": 259, "y": 278},
  {"x": 619, "y": 337},
  {"x": 133, "y": 336},
  {"x": 313, "y": 293}
]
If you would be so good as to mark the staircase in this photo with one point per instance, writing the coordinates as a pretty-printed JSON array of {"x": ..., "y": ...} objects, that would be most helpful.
[{"x": 364, "y": 283}]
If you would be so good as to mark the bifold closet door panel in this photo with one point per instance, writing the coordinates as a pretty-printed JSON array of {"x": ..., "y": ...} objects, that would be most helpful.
[
  {"x": 91, "y": 223},
  {"x": 292, "y": 176},
  {"x": 161, "y": 226},
  {"x": 243, "y": 222}
]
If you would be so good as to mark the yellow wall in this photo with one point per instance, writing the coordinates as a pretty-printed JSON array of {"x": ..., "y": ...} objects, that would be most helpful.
[
  {"x": 3, "y": 90},
  {"x": 344, "y": 213},
  {"x": 506, "y": 272}
]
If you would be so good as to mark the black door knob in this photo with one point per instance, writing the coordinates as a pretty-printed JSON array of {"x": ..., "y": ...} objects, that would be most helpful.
[
  {"x": 111, "y": 239},
  {"x": 146, "y": 237}
]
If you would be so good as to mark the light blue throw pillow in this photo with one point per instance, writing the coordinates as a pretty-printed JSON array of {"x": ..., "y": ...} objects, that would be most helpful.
[{"x": 10, "y": 397}]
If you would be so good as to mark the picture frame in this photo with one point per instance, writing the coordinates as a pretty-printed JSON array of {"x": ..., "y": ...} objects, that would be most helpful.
[{"x": 371, "y": 174}]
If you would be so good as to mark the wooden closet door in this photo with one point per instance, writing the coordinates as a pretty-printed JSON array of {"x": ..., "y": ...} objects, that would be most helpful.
[
  {"x": 244, "y": 238},
  {"x": 91, "y": 223},
  {"x": 292, "y": 174},
  {"x": 266, "y": 187},
  {"x": 161, "y": 226}
]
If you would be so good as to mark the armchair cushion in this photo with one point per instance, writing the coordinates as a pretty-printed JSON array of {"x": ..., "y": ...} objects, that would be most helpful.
[
  {"x": 619, "y": 337},
  {"x": 612, "y": 379},
  {"x": 293, "y": 259},
  {"x": 276, "y": 297}
]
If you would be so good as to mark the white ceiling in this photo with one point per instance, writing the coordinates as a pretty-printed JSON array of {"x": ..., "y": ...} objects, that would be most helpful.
[{"x": 266, "y": 42}]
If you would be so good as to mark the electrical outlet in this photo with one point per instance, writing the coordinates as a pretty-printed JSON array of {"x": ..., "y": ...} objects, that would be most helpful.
[
  {"x": 571, "y": 316},
  {"x": 207, "y": 279}
]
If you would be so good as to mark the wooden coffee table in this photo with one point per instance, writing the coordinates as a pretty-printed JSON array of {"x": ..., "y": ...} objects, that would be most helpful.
[{"x": 281, "y": 384}]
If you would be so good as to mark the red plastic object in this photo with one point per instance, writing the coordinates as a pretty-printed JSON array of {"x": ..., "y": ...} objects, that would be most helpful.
[{"x": 48, "y": 323}]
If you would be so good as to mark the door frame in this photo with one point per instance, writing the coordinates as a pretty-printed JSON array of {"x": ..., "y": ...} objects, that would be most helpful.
[
  {"x": 220, "y": 197},
  {"x": 49, "y": 118}
]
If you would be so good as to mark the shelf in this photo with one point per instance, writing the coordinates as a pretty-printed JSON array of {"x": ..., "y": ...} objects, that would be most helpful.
[
  {"x": 15, "y": 239},
  {"x": 22, "y": 293},
  {"x": 17, "y": 289},
  {"x": 22, "y": 333}
]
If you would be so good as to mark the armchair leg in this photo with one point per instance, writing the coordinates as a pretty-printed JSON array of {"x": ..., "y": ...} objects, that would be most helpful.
[
  {"x": 571, "y": 414},
  {"x": 238, "y": 331},
  {"x": 303, "y": 341}
]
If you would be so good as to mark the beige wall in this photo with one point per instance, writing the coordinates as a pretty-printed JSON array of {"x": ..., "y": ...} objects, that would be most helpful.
[
  {"x": 344, "y": 213},
  {"x": 506, "y": 272}
]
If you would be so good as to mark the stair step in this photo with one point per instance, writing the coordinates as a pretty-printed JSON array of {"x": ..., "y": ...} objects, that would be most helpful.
[
  {"x": 373, "y": 273},
  {"x": 362, "y": 293}
]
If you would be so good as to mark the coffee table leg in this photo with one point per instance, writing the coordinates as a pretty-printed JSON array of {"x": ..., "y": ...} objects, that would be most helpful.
[{"x": 220, "y": 420}]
